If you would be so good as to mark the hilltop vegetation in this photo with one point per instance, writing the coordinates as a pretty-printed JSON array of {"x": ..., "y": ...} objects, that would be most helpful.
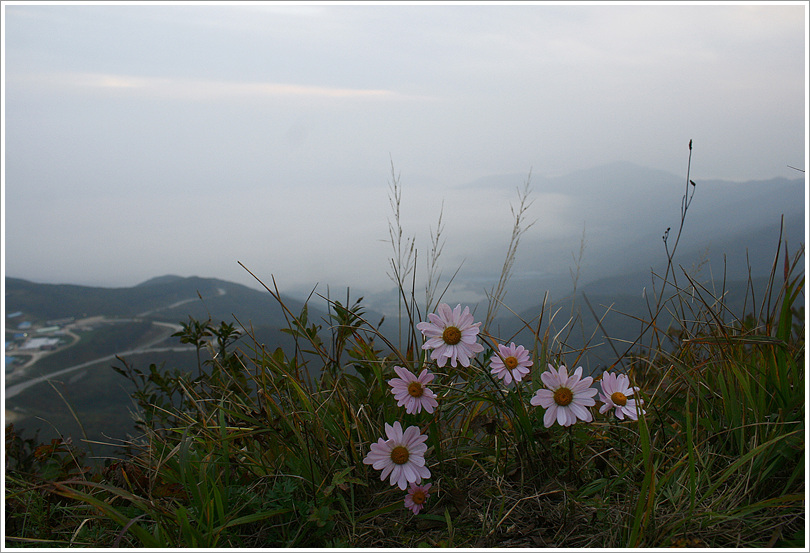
[{"x": 251, "y": 453}]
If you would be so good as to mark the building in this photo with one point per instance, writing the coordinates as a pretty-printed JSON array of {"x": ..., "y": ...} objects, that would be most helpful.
[
  {"x": 61, "y": 322},
  {"x": 10, "y": 363},
  {"x": 40, "y": 343}
]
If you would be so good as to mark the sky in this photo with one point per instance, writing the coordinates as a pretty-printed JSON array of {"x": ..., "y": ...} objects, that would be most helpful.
[{"x": 150, "y": 139}]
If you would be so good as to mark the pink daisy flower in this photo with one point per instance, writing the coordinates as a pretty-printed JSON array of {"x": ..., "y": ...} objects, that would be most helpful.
[
  {"x": 417, "y": 495},
  {"x": 402, "y": 455},
  {"x": 565, "y": 398},
  {"x": 410, "y": 392},
  {"x": 616, "y": 391},
  {"x": 511, "y": 362},
  {"x": 451, "y": 334}
]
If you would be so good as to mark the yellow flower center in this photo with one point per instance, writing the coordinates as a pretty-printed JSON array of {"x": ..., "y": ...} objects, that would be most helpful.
[
  {"x": 511, "y": 362},
  {"x": 415, "y": 389},
  {"x": 563, "y": 396},
  {"x": 400, "y": 455},
  {"x": 418, "y": 497},
  {"x": 618, "y": 398},
  {"x": 451, "y": 335}
]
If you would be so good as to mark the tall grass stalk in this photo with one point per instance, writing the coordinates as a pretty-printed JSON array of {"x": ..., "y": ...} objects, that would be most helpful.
[
  {"x": 497, "y": 294},
  {"x": 404, "y": 260}
]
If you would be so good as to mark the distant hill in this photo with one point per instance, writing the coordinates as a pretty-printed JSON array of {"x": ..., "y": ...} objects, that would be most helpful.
[
  {"x": 171, "y": 299},
  {"x": 730, "y": 253},
  {"x": 625, "y": 210},
  {"x": 161, "y": 280},
  {"x": 167, "y": 298}
]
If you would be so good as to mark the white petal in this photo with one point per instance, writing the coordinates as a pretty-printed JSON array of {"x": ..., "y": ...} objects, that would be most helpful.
[
  {"x": 543, "y": 398},
  {"x": 423, "y": 472},
  {"x": 398, "y": 477},
  {"x": 444, "y": 313},
  {"x": 409, "y": 472},
  {"x": 580, "y": 412},
  {"x": 394, "y": 432},
  {"x": 404, "y": 374},
  {"x": 583, "y": 399},
  {"x": 549, "y": 378},
  {"x": 437, "y": 321},
  {"x": 551, "y": 414},
  {"x": 434, "y": 343},
  {"x": 433, "y": 327},
  {"x": 562, "y": 416}
]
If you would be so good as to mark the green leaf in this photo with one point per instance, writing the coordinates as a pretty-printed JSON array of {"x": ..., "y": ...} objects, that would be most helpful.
[{"x": 254, "y": 517}]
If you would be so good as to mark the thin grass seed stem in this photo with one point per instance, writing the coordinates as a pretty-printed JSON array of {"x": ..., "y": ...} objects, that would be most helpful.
[
  {"x": 659, "y": 305},
  {"x": 497, "y": 294}
]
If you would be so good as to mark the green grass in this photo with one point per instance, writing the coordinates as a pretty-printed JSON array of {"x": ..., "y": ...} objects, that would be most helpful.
[
  {"x": 100, "y": 397},
  {"x": 265, "y": 447}
]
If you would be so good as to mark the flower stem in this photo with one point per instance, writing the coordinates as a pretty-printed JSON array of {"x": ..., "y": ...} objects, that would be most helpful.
[{"x": 570, "y": 452}]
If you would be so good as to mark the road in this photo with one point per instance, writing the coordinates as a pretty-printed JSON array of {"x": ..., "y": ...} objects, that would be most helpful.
[
  {"x": 18, "y": 387},
  {"x": 15, "y": 389},
  {"x": 220, "y": 292}
]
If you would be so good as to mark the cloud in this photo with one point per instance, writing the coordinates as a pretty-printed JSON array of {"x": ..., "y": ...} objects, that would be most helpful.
[{"x": 191, "y": 89}]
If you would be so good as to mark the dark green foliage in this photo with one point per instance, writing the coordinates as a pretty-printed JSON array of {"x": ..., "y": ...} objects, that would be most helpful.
[{"x": 265, "y": 448}]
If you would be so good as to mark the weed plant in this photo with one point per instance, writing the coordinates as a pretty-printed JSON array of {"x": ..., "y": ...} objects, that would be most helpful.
[{"x": 260, "y": 447}]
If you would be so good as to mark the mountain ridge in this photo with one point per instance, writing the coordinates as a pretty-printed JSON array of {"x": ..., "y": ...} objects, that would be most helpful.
[{"x": 167, "y": 297}]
